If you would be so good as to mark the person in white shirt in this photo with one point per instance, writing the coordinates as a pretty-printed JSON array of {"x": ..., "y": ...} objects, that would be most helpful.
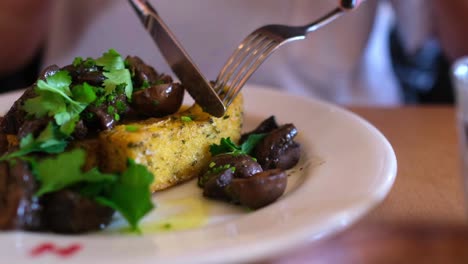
[{"x": 345, "y": 62}]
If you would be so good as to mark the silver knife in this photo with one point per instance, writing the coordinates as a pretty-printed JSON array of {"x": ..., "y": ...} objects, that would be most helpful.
[{"x": 179, "y": 61}]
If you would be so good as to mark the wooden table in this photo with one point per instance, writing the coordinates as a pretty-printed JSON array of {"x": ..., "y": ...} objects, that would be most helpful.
[{"x": 427, "y": 193}]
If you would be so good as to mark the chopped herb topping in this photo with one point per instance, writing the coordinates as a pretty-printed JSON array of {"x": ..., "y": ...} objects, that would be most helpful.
[
  {"x": 84, "y": 93},
  {"x": 186, "y": 118},
  {"x": 111, "y": 110},
  {"x": 89, "y": 63},
  {"x": 132, "y": 128},
  {"x": 145, "y": 85},
  {"x": 159, "y": 82},
  {"x": 77, "y": 61},
  {"x": 213, "y": 171}
]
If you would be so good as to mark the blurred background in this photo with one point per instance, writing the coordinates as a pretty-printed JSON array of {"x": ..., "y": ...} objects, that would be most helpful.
[{"x": 384, "y": 53}]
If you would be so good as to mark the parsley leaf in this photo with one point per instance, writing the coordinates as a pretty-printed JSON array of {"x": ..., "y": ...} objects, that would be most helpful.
[
  {"x": 116, "y": 78},
  {"x": 116, "y": 73},
  {"x": 54, "y": 99},
  {"x": 131, "y": 195},
  {"x": 252, "y": 141},
  {"x": 77, "y": 61},
  {"x": 50, "y": 140},
  {"x": 111, "y": 60},
  {"x": 85, "y": 93},
  {"x": 58, "y": 83},
  {"x": 227, "y": 146},
  {"x": 65, "y": 170}
]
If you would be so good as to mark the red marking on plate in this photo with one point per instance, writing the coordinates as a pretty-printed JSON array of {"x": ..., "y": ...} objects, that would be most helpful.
[{"x": 48, "y": 247}]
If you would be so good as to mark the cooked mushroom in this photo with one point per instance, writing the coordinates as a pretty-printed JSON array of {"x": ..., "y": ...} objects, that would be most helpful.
[
  {"x": 259, "y": 190},
  {"x": 278, "y": 149},
  {"x": 216, "y": 184},
  {"x": 49, "y": 71},
  {"x": 142, "y": 73},
  {"x": 3, "y": 143},
  {"x": 104, "y": 119},
  {"x": 95, "y": 78},
  {"x": 158, "y": 100},
  {"x": 33, "y": 126},
  {"x": 266, "y": 126},
  {"x": 244, "y": 166},
  {"x": 69, "y": 212},
  {"x": 20, "y": 208},
  {"x": 83, "y": 73}
]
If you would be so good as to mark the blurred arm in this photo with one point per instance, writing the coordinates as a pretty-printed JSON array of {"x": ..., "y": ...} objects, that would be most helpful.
[
  {"x": 451, "y": 20},
  {"x": 23, "y": 26}
]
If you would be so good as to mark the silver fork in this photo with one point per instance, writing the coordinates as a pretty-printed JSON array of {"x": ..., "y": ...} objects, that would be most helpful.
[{"x": 259, "y": 45}]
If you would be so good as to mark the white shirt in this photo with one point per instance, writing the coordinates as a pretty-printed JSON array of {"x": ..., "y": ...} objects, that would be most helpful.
[{"x": 334, "y": 63}]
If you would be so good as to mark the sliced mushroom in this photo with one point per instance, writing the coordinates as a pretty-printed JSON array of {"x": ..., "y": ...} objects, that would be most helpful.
[
  {"x": 82, "y": 73},
  {"x": 69, "y": 212},
  {"x": 244, "y": 166},
  {"x": 15, "y": 117},
  {"x": 3, "y": 143},
  {"x": 141, "y": 72},
  {"x": 216, "y": 184},
  {"x": 104, "y": 120},
  {"x": 48, "y": 71},
  {"x": 266, "y": 126},
  {"x": 95, "y": 78},
  {"x": 259, "y": 190},
  {"x": 158, "y": 100},
  {"x": 33, "y": 126},
  {"x": 20, "y": 208},
  {"x": 278, "y": 149}
]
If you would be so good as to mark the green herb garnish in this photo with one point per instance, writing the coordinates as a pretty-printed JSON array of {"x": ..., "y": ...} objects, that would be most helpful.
[
  {"x": 131, "y": 195},
  {"x": 50, "y": 140},
  {"x": 186, "y": 118},
  {"x": 145, "y": 85},
  {"x": 227, "y": 146},
  {"x": 77, "y": 61},
  {"x": 132, "y": 128},
  {"x": 116, "y": 73},
  {"x": 84, "y": 93},
  {"x": 54, "y": 99},
  {"x": 127, "y": 193},
  {"x": 57, "y": 173}
]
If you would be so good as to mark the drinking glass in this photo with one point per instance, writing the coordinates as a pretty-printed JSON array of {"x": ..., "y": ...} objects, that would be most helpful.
[{"x": 460, "y": 83}]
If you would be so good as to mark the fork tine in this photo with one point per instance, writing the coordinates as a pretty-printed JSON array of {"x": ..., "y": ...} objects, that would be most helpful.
[
  {"x": 247, "y": 70},
  {"x": 241, "y": 69},
  {"x": 236, "y": 59}
]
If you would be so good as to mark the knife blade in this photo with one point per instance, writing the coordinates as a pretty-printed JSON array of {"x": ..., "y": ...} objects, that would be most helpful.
[{"x": 179, "y": 60}]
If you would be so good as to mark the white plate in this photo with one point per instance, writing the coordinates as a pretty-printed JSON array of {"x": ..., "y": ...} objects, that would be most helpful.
[{"x": 347, "y": 168}]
